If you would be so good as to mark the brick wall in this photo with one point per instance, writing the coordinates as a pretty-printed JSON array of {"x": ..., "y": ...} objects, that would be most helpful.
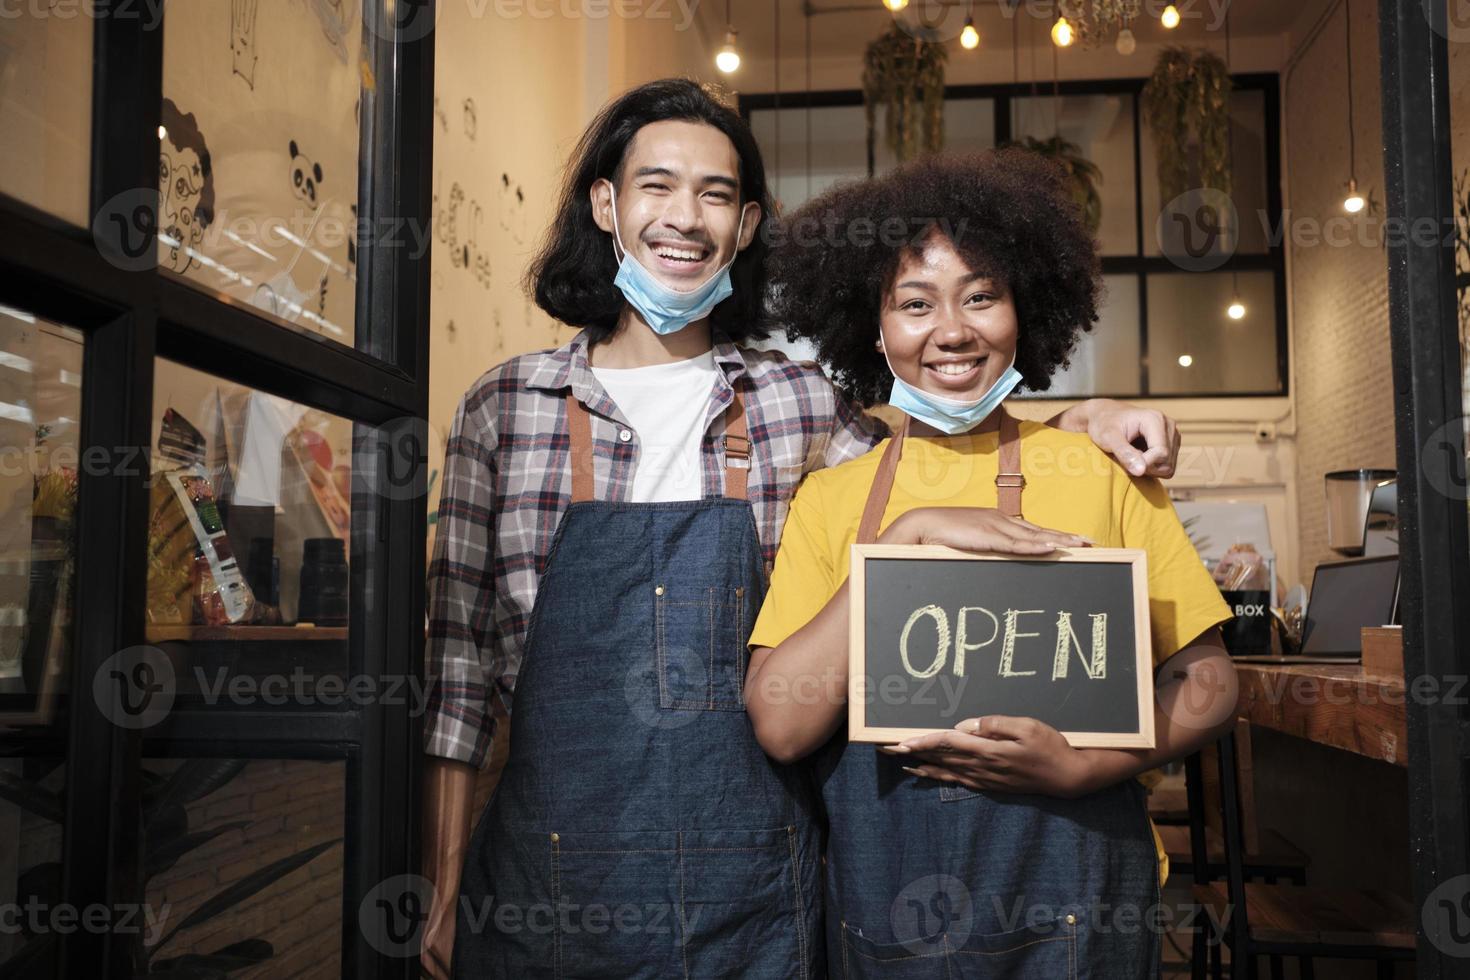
[
  {"x": 290, "y": 806},
  {"x": 1339, "y": 296}
]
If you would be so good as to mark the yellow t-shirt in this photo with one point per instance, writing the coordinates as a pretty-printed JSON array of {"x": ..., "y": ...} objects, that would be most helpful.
[{"x": 1071, "y": 485}]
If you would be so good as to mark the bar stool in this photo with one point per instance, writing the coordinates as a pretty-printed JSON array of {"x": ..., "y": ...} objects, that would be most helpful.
[
  {"x": 1269, "y": 856},
  {"x": 1288, "y": 920}
]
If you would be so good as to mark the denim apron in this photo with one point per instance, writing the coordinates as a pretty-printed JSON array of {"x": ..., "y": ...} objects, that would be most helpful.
[
  {"x": 638, "y": 830},
  {"x": 931, "y": 879}
]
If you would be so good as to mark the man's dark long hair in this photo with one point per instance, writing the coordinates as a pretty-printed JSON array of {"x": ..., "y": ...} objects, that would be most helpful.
[{"x": 572, "y": 276}]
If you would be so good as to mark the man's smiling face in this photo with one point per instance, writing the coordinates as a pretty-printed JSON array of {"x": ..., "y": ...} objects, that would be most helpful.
[{"x": 678, "y": 202}]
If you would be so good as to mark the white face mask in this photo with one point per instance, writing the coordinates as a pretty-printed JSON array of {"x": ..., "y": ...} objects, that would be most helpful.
[
  {"x": 951, "y": 415},
  {"x": 667, "y": 310}
]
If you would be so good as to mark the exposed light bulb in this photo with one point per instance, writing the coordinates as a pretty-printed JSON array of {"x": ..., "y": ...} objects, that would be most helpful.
[
  {"x": 1170, "y": 17},
  {"x": 1236, "y": 309},
  {"x": 895, "y": 5},
  {"x": 1061, "y": 33},
  {"x": 1125, "y": 42},
  {"x": 969, "y": 37},
  {"x": 1354, "y": 202},
  {"x": 728, "y": 58},
  {"x": 162, "y": 132},
  {"x": 1185, "y": 360}
]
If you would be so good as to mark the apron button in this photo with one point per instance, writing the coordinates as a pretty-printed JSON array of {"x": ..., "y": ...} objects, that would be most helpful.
[
  {"x": 1071, "y": 919},
  {"x": 555, "y": 838},
  {"x": 658, "y": 590},
  {"x": 740, "y": 592}
]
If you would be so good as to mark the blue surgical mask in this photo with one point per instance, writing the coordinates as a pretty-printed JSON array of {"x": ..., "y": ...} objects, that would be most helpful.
[
  {"x": 668, "y": 310},
  {"x": 951, "y": 415}
]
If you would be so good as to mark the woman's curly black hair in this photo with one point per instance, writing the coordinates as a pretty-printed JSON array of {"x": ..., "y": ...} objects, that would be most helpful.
[
  {"x": 572, "y": 276},
  {"x": 1009, "y": 214}
]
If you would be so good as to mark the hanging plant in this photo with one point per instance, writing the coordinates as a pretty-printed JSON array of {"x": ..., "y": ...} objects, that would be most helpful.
[
  {"x": 1186, "y": 104},
  {"x": 905, "y": 75},
  {"x": 1085, "y": 175}
]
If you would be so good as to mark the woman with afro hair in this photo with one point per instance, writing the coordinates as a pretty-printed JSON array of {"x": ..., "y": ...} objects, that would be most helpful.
[{"x": 995, "y": 848}]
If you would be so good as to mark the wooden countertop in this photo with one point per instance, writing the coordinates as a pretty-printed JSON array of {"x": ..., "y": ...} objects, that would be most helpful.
[{"x": 1332, "y": 704}]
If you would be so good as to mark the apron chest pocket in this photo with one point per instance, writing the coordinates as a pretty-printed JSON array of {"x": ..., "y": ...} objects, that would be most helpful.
[{"x": 700, "y": 634}]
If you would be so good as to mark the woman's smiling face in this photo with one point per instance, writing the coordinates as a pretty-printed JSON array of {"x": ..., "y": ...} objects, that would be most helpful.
[{"x": 947, "y": 329}]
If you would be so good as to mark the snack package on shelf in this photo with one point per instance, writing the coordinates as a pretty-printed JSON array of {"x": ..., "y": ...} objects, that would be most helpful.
[{"x": 193, "y": 575}]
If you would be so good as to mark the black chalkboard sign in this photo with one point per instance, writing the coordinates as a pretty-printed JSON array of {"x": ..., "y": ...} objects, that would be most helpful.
[{"x": 939, "y": 635}]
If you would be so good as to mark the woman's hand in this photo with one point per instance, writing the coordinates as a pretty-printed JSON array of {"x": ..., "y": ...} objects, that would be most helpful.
[
  {"x": 1143, "y": 440},
  {"x": 1013, "y": 755},
  {"x": 977, "y": 529}
]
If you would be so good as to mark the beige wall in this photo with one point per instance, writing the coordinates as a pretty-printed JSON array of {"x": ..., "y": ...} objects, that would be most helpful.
[{"x": 535, "y": 82}]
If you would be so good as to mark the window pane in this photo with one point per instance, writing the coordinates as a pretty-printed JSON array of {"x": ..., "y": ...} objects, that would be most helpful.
[
  {"x": 839, "y": 148},
  {"x": 46, "y": 107},
  {"x": 1248, "y": 185},
  {"x": 1107, "y": 359},
  {"x": 1101, "y": 126},
  {"x": 250, "y": 518},
  {"x": 282, "y": 820},
  {"x": 259, "y": 172},
  {"x": 1196, "y": 347},
  {"x": 40, "y": 411},
  {"x": 30, "y": 864}
]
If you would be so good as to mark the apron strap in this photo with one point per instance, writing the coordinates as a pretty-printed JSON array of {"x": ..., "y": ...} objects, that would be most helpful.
[
  {"x": 882, "y": 486},
  {"x": 1009, "y": 481},
  {"x": 737, "y": 448},
  {"x": 579, "y": 427}
]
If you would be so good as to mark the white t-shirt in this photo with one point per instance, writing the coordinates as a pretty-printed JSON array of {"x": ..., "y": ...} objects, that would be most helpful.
[{"x": 666, "y": 405}]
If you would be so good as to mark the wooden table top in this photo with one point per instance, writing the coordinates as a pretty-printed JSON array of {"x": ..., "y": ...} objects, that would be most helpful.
[{"x": 1338, "y": 705}]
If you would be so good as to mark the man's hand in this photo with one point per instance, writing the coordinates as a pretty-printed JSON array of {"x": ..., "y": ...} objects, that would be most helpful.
[{"x": 1144, "y": 440}]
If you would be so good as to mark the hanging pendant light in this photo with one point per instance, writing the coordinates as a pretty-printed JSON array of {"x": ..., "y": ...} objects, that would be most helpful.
[
  {"x": 727, "y": 59},
  {"x": 1170, "y": 17},
  {"x": 1236, "y": 309},
  {"x": 895, "y": 5},
  {"x": 1125, "y": 43},
  {"x": 1062, "y": 34},
  {"x": 1354, "y": 201},
  {"x": 969, "y": 36}
]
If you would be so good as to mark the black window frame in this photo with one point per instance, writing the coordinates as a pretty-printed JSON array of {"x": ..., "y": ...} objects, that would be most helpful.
[
  {"x": 1138, "y": 265},
  {"x": 55, "y": 270}
]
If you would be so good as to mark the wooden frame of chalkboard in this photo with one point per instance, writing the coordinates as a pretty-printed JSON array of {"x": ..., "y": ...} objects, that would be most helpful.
[{"x": 1135, "y": 732}]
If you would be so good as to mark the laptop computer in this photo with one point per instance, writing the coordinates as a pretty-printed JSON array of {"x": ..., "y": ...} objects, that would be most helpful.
[{"x": 1346, "y": 596}]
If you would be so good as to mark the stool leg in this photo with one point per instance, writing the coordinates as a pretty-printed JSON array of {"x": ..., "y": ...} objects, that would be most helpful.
[
  {"x": 1305, "y": 968},
  {"x": 1278, "y": 968},
  {"x": 1198, "y": 951}
]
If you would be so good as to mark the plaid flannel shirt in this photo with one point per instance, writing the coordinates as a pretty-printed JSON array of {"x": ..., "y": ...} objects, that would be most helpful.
[{"x": 507, "y": 481}]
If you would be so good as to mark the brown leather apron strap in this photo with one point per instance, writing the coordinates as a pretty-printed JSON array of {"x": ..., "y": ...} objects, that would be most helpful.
[
  {"x": 579, "y": 427},
  {"x": 882, "y": 486},
  {"x": 1009, "y": 481},
  {"x": 737, "y": 448}
]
